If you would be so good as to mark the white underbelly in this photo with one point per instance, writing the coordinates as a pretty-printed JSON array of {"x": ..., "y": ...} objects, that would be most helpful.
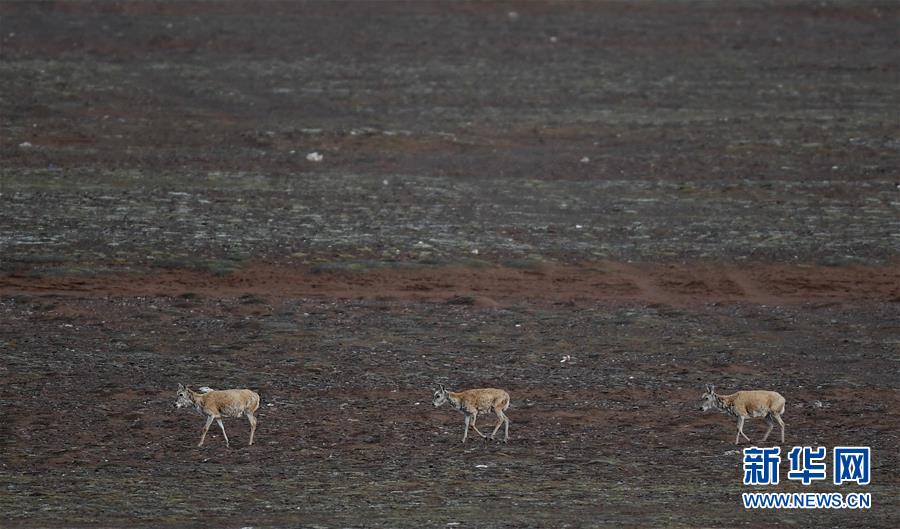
[{"x": 231, "y": 411}]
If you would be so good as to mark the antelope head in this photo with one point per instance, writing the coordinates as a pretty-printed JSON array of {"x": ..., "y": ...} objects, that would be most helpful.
[
  {"x": 440, "y": 396},
  {"x": 183, "y": 397},
  {"x": 709, "y": 400}
]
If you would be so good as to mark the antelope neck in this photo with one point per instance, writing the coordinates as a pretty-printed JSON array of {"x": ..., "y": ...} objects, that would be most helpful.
[
  {"x": 725, "y": 406},
  {"x": 455, "y": 401},
  {"x": 196, "y": 398}
]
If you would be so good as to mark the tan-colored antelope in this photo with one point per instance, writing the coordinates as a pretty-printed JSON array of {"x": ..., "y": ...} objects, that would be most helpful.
[
  {"x": 747, "y": 405},
  {"x": 474, "y": 401},
  {"x": 217, "y": 404}
]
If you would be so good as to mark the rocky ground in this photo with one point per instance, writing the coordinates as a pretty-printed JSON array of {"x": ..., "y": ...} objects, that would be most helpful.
[{"x": 670, "y": 193}]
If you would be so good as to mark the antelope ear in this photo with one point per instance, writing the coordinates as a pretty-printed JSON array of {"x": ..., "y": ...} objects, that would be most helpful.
[
  {"x": 710, "y": 388},
  {"x": 181, "y": 387},
  {"x": 442, "y": 388}
]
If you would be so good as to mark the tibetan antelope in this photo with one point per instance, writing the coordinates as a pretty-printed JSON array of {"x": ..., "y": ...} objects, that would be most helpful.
[
  {"x": 474, "y": 401},
  {"x": 746, "y": 405},
  {"x": 217, "y": 404}
]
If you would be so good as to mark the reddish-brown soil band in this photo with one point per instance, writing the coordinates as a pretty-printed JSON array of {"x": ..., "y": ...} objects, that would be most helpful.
[{"x": 685, "y": 285}]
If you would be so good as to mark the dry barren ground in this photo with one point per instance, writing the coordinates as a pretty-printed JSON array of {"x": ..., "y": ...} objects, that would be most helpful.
[{"x": 671, "y": 193}]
